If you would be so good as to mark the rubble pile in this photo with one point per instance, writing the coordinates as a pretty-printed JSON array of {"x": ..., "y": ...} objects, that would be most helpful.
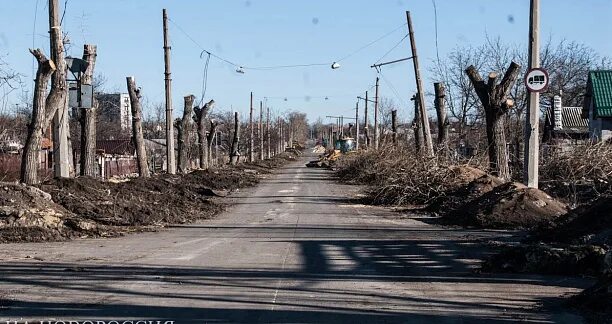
[{"x": 62, "y": 209}]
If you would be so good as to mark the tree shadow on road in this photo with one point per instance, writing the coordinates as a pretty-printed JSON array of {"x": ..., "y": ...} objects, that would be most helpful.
[{"x": 440, "y": 286}]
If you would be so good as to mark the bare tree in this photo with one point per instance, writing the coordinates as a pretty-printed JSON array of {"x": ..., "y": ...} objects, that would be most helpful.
[
  {"x": 141, "y": 153},
  {"x": 200, "y": 118},
  {"x": 463, "y": 105},
  {"x": 88, "y": 118},
  {"x": 184, "y": 126},
  {"x": 494, "y": 98},
  {"x": 209, "y": 140},
  {"x": 235, "y": 153},
  {"x": 43, "y": 110}
]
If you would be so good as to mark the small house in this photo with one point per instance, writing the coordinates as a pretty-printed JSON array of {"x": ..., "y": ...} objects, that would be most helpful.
[
  {"x": 565, "y": 125},
  {"x": 598, "y": 105}
]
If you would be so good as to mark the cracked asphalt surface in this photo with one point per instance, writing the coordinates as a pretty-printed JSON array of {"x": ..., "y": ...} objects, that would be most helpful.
[{"x": 295, "y": 249}]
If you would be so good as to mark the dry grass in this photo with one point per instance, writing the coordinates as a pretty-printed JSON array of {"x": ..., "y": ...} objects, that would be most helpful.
[
  {"x": 578, "y": 175},
  {"x": 399, "y": 176}
]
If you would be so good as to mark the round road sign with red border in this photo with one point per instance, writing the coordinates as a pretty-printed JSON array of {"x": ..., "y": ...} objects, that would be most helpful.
[{"x": 536, "y": 80}]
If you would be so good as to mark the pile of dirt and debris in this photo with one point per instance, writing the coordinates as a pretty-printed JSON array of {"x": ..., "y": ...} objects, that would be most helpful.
[
  {"x": 508, "y": 205},
  {"x": 459, "y": 194},
  {"x": 66, "y": 208},
  {"x": 469, "y": 183},
  {"x": 596, "y": 301},
  {"x": 549, "y": 259},
  {"x": 139, "y": 202},
  {"x": 588, "y": 224},
  {"x": 29, "y": 214}
]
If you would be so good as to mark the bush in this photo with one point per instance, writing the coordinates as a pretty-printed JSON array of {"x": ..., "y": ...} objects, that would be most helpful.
[
  {"x": 398, "y": 176},
  {"x": 578, "y": 175}
]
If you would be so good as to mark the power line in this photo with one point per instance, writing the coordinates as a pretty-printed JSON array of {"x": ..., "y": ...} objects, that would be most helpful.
[
  {"x": 392, "y": 48},
  {"x": 436, "y": 29},
  {"x": 204, "y": 80},
  {"x": 397, "y": 95},
  {"x": 275, "y": 67},
  {"x": 370, "y": 43}
]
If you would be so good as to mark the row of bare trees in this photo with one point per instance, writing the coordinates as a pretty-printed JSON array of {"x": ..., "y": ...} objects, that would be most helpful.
[{"x": 490, "y": 113}]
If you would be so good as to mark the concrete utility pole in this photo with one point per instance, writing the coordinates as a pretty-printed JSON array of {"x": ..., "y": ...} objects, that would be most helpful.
[
  {"x": 61, "y": 151},
  {"x": 269, "y": 155},
  {"x": 261, "y": 137},
  {"x": 357, "y": 125},
  {"x": 376, "y": 116},
  {"x": 533, "y": 106},
  {"x": 366, "y": 122},
  {"x": 252, "y": 131},
  {"x": 170, "y": 160},
  {"x": 420, "y": 90}
]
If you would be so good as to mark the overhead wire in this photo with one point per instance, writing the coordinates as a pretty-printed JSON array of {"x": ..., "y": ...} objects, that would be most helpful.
[
  {"x": 274, "y": 67},
  {"x": 436, "y": 28},
  {"x": 392, "y": 48},
  {"x": 371, "y": 43},
  {"x": 393, "y": 89},
  {"x": 204, "y": 80}
]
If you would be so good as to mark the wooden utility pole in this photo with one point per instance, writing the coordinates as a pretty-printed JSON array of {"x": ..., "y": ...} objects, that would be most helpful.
[
  {"x": 89, "y": 165},
  {"x": 424, "y": 119},
  {"x": 416, "y": 124},
  {"x": 357, "y": 125},
  {"x": 252, "y": 131},
  {"x": 269, "y": 155},
  {"x": 61, "y": 131},
  {"x": 261, "y": 135},
  {"x": 376, "y": 134},
  {"x": 394, "y": 126},
  {"x": 234, "y": 153},
  {"x": 441, "y": 114},
  {"x": 170, "y": 159},
  {"x": 141, "y": 153},
  {"x": 533, "y": 106}
]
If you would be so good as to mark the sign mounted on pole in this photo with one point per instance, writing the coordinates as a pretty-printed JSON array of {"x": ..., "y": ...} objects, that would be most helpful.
[{"x": 536, "y": 80}]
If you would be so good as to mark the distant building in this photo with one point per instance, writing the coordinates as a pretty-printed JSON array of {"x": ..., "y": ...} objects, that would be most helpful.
[
  {"x": 565, "y": 125},
  {"x": 115, "y": 110},
  {"x": 598, "y": 105}
]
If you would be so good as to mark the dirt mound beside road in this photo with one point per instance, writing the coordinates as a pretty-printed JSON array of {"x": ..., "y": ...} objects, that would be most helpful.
[
  {"x": 139, "y": 202},
  {"x": 587, "y": 224},
  {"x": 509, "y": 205},
  {"x": 28, "y": 213},
  {"x": 470, "y": 183}
]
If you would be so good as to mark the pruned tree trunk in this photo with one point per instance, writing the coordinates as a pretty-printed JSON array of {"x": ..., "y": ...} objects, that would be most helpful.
[
  {"x": 494, "y": 98},
  {"x": 200, "y": 118},
  {"x": 394, "y": 126},
  {"x": 42, "y": 113},
  {"x": 440, "y": 104},
  {"x": 234, "y": 153},
  {"x": 89, "y": 166},
  {"x": 252, "y": 133},
  {"x": 141, "y": 153},
  {"x": 209, "y": 140},
  {"x": 184, "y": 126},
  {"x": 261, "y": 135}
]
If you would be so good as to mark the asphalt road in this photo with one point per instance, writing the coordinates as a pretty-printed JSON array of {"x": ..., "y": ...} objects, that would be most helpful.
[{"x": 295, "y": 249}]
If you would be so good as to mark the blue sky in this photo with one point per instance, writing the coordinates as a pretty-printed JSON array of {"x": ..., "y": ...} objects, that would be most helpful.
[{"x": 281, "y": 32}]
